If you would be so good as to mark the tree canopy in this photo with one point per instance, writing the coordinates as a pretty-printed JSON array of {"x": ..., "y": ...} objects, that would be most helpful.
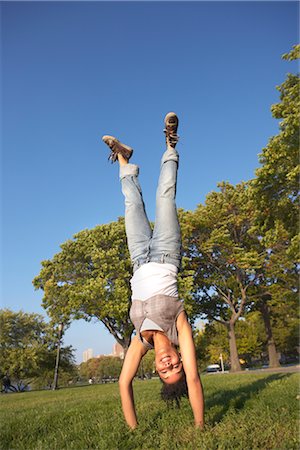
[
  {"x": 89, "y": 279},
  {"x": 277, "y": 180},
  {"x": 28, "y": 348}
]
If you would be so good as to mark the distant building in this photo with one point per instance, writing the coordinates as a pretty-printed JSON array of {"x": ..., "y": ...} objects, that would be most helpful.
[
  {"x": 87, "y": 354},
  {"x": 118, "y": 350}
]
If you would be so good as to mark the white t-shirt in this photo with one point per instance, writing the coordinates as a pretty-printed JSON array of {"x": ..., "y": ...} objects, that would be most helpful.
[{"x": 154, "y": 279}]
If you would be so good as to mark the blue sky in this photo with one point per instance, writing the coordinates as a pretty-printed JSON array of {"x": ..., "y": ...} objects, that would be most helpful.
[{"x": 73, "y": 71}]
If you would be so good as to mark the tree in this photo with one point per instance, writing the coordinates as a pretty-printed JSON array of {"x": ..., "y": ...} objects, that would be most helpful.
[
  {"x": 27, "y": 346},
  {"x": 226, "y": 257},
  {"x": 101, "y": 368},
  {"x": 109, "y": 367},
  {"x": 201, "y": 345},
  {"x": 147, "y": 365},
  {"x": 276, "y": 198},
  {"x": 216, "y": 343},
  {"x": 90, "y": 279},
  {"x": 266, "y": 240},
  {"x": 68, "y": 372},
  {"x": 277, "y": 180},
  {"x": 88, "y": 369},
  {"x": 250, "y": 340},
  {"x": 277, "y": 284},
  {"x": 187, "y": 282},
  {"x": 251, "y": 337}
]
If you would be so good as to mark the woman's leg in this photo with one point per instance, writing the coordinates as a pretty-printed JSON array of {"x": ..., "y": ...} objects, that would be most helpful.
[
  {"x": 166, "y": 239},
  {"x": 137, "y": 225}
]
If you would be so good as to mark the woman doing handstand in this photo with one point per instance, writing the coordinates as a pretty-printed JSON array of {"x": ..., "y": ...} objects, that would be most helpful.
[{"x": 156, "y": 312}]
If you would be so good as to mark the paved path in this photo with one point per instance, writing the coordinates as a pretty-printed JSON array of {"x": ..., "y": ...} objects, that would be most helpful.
[{"x": 283, "y": 369}]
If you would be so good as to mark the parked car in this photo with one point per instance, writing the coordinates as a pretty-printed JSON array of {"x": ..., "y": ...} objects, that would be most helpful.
[{"x": 213, "y": 368}]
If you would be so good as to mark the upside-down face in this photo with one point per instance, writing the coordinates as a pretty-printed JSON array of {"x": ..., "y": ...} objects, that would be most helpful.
[{"x": 168, "y": 365}]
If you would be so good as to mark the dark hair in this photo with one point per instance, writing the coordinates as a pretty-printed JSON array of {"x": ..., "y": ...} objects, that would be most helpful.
[{"x": 171, "y": 392}]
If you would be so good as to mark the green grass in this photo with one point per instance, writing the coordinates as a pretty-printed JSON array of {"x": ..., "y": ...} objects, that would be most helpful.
[{"x": 246, "y": 411}]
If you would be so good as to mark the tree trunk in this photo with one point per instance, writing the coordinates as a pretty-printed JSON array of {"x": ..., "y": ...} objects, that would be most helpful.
[
  {"x": 265, "y": 312},
  {"x": 125, "y": 343},
  {"x": 125, "y": 338},
  {"x": 234, "y": 357},
  {"x": 126, "y": 346}
]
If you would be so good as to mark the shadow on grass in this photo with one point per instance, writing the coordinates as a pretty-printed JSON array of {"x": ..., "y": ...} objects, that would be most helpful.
[{"x": 236, "y": 398}]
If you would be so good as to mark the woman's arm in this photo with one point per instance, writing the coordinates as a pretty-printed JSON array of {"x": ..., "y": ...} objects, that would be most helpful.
[
  {"x": 131, "y": 363},
  {"x": 188, "y": 354}
]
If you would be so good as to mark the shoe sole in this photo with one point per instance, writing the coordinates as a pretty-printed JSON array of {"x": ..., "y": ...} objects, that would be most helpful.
[
  {"x": 126, "y": 151},
  {"x": 171, "y": 119}
]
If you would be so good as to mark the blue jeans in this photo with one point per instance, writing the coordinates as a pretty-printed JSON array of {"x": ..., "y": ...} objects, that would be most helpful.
[{"x": 163, "y": 244}]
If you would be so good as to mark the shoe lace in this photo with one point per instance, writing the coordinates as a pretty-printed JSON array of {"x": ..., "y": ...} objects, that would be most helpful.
[
  {"x": 113, "y": 154},
  {"x": 171, "y": 135}
]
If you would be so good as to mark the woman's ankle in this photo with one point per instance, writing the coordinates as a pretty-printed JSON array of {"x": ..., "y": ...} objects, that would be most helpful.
[{"x": 122, "y": 161}]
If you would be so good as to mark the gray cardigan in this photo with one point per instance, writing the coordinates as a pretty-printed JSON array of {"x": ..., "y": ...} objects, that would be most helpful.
[{"x": 162, "y": 309}]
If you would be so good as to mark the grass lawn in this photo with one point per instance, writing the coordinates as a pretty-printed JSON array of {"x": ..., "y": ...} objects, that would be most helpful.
[{"x": 245, "y": 411}]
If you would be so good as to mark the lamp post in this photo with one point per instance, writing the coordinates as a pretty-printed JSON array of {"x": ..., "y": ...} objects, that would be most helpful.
[
  {"x": 55, "y": 381},
  {"x": 222, "y": 363}
]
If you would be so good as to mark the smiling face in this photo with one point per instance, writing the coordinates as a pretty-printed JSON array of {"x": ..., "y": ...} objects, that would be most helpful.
[{"x": 168, "y": 365}]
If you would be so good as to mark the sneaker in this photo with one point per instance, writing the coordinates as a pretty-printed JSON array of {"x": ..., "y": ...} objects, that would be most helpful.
[
  {"x": 117, "y": 147},
  {"x": 171, "y": 125}
]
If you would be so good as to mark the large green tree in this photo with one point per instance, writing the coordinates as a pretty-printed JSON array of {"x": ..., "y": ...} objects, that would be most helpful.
[
  {"x": 276, "y": 199},
  {"x": 262, "y": 234},
  {"x": 226, "y": 257}
]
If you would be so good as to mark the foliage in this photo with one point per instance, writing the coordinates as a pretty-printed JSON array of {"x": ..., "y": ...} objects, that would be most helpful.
[
  {"x": 226, "y": 252},
  {"x": 275, "y": 195},
  {"x": 28, "y": 349},
  {"x": 187, "y": 275},
  {"x": 147, "y": 365},
  {"x": 217, "y": 343},
  {"x": 212, "y": 341},
  {"x": 226, "y": 256},
  {"x": 277, "y": 180},
  {"x": 285, "y": 324},
  {"x": 244, "y": 244},
  {"x": 251, "y": 337},
  {"x": 101, "y": 368},
  {"x": 109, "y": 367},
  {"x": 90, "y": 278}
]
